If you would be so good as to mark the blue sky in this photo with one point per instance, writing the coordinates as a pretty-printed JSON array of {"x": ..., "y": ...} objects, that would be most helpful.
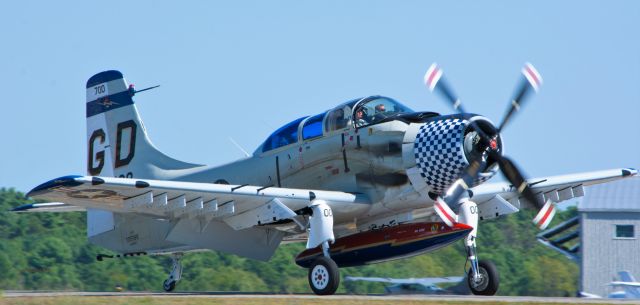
[{"x": 242, "y": 68}]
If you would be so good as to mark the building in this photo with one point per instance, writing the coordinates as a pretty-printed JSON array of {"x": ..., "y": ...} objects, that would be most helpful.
[{"x": 609, "y": 217}]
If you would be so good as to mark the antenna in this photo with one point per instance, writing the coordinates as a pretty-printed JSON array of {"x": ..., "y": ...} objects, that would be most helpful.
[
  {"x": 239, "y": 147},
  {"x": 133, "y": 91}
]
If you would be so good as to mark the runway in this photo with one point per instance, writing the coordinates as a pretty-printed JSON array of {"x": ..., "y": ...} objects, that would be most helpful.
[{"x": 303, "y": 297}]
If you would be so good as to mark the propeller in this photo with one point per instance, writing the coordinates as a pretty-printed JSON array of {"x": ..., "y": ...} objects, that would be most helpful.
[
  {"x": 434, "y": 80},
  {"x": 532, "y": 80}
]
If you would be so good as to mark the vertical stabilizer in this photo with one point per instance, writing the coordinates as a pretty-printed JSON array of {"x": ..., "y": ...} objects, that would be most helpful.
[
  {"x": 117, "y": 142},
  {"x": 631, "y": 292}
]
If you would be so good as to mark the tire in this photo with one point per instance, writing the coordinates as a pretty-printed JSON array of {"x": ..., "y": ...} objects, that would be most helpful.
[
  {"x": 324, "y": 276},
  {"x": 490, "y": 280},
  {"x": 168, "y": 285}
]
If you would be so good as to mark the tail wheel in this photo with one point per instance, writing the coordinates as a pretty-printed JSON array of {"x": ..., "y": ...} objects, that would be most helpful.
[
  {"x": 169, "y": 285},
  {"x": 488, "y": 282},
  {"x": 324, "y": 276}
]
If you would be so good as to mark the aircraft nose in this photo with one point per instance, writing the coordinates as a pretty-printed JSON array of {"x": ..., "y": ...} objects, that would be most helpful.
[{"x": 441, "y": 150}]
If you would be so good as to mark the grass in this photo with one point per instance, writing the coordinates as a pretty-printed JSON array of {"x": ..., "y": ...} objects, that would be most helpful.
[{"x": 251, "y": 300}]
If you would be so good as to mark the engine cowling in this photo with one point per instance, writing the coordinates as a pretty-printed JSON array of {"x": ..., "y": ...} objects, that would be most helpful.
[{"x": 441, "y": 149}]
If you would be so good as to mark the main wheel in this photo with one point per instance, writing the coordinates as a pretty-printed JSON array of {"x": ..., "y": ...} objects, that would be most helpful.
[
  {"x": 324, "y": 276},
  {"x": 488, "y": 282},
  {"x": 169, "y": 285}
]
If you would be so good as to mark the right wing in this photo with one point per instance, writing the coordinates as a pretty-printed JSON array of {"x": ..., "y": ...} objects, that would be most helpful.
[{"x": 502, "y": 198}]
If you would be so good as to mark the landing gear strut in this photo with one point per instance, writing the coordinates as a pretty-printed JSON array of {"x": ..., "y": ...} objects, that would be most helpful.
[
  {"x": 483, "y": 276},
  {"x": 176, "y": 273}
]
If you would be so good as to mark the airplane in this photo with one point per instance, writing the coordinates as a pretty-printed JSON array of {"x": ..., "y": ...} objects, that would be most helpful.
[
  {"x": 365, "y": 182},
  {"x": 427, "y": 285},
  {"x": 631, "y": 288}
]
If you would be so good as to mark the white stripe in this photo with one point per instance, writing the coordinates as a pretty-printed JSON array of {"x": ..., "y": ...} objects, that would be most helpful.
[
  {"x": 522, "y": 187},
  {"x": 443, "y": 217},
  {"x": 516, "y": 106},
  {"x": 548, "y": 221},
  {"x": 532, "y": 75},
  {"x": 104, "y": 89},
  {"x": 535, "y": 72},
  {"x": 542, "y": 212},
  {"x": 443, "y": 210},
  {"x": 431, "y": 85}
]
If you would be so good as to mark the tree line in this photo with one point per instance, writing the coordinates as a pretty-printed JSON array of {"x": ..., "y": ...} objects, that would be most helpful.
[{"x": 49, "y": 251}]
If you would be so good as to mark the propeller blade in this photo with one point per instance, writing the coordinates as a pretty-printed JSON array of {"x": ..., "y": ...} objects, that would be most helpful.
[
  {"x": 455, "y": 192},
  {"x": 531, "y": 80},
  {"x": 546, "y": 210},
  {"x": 545, "y": 215},
  {"x": 434, "y": 80},
  {"x": 445, "y": 213},
  {"x": 464, "y": 183}
]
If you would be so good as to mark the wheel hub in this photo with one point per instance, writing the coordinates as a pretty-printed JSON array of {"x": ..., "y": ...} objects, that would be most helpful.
[
  {"x": 481, "y": 281},
  {"x": 320, "y": 275}
]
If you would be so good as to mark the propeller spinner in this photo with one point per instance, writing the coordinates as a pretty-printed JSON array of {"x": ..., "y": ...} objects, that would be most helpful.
[{"x": 486, "y": 145}]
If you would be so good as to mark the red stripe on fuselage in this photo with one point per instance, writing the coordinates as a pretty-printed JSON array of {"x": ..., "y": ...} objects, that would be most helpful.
[{"x": 397, "y": 235}]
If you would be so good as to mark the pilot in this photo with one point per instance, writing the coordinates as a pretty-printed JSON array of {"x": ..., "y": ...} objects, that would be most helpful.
[
  {"x": 380, "y": 109},
  {"x": 361, "y": 117}
]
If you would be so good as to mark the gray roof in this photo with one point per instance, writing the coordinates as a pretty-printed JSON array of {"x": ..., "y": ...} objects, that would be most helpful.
[{"x": 617, "y": 196}]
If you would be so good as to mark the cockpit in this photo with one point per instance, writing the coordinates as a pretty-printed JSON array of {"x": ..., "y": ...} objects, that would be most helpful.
[
  {"x": 375, "y": 110},
  {"x": 355, "y": 113}
]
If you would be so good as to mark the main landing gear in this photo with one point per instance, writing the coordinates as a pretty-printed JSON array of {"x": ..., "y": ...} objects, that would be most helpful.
[
  {"x": 324, "y": 275},
  {"x": 483, "y": 278},
  {"x": 175, "y": 275}
]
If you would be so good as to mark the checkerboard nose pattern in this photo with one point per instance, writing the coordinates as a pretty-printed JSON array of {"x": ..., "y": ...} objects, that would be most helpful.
[{"x": 439, "y": 153}]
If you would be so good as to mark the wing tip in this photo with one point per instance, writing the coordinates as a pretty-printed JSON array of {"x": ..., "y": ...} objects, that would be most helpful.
[
  {"x": 628, "y": 172},
  {"x": 22, "y": 208},
  {"x": 61, "y": 181}
]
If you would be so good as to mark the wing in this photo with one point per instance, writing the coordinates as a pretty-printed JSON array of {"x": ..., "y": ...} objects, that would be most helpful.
[
  {"x": 625, "y": 284},
  {"x": 496, "y": 199},
  {"x": 240, "y": 206}
]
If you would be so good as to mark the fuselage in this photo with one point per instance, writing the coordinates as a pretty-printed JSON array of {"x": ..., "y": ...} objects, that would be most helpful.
[{"x": 377, "y": 160}]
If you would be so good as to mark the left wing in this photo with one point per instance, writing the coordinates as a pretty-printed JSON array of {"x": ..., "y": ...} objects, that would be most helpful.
[
  {"x": 495, "y": 199},
  {"x": 241, "y": 206}
]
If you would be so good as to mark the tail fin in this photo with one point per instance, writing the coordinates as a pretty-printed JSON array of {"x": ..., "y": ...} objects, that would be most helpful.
[
  {"x": 118, "y": 144},
  {"x": 631, "y": 292},
  {"x": 625, "y": 276}
]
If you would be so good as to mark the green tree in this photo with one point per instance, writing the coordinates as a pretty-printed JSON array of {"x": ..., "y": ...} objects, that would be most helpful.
[{"x": 50, "y": 251}]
